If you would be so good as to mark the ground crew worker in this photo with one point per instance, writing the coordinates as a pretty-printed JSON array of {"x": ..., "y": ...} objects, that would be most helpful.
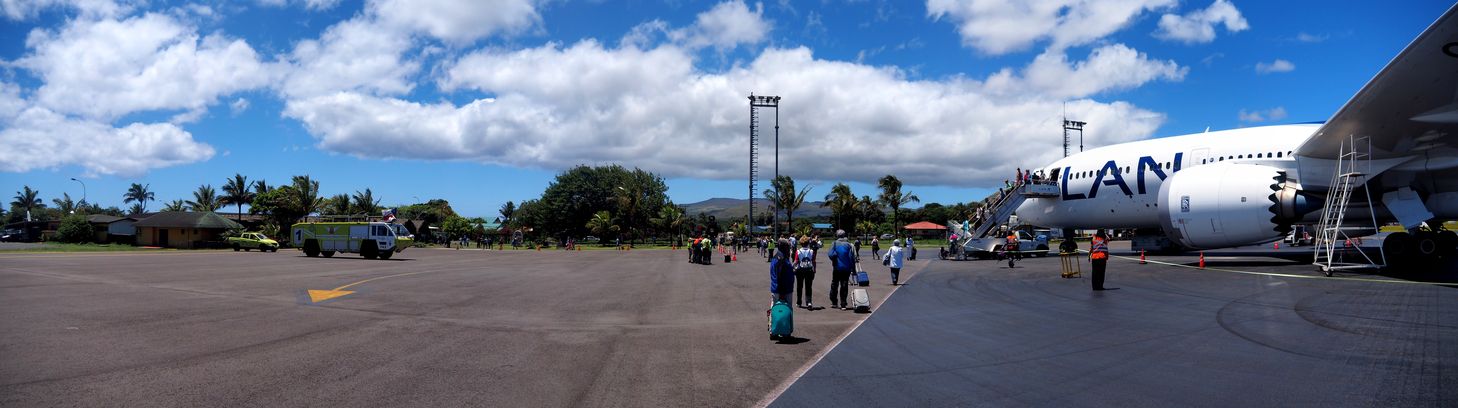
[
  {"x": 1011, "y": 246},
  {"x": 1098, "y": 255}
]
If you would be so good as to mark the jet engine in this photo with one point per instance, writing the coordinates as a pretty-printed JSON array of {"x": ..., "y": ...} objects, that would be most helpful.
[{"x": 1227, "y": 204}]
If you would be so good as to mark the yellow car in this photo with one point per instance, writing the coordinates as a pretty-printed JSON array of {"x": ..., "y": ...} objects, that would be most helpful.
[{"x": 253, "y": 240}]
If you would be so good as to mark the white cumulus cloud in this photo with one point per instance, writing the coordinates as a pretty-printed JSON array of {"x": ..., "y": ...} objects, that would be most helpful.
[
  {"x": 36, "y": 138},
  {"x": 725, "y": 26},
  {"x": 1108, "y": 68},
  {"x": 456, "y": 21},
  {"x": 1273, "y": 114},
  {"x": 1279, "y": 65},
  {"x": 1002, "y": 26},
  {"x": 143, "y": 63},
  {"x": 1199, "y": 26},
  {"x": 558, "y": 106},
  {"x": 24, "y": 9}
]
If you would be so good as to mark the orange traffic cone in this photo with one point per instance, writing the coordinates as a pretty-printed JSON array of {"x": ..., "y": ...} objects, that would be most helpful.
[
  {"x": 735, "y": 257},
  {"x": 1278, "y": 244},
  {"x": 1202, "y": 260},
  {"x": 1141, "y": 257}
]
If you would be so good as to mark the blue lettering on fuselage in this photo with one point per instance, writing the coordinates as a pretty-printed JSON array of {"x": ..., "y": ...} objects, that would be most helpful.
[{"x": 1115, "y": 178}]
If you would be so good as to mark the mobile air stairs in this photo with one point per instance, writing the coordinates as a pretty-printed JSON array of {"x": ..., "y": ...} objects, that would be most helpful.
[
  {"x": 973, "y": 236},
  {"x": 1333, "y": 248}
]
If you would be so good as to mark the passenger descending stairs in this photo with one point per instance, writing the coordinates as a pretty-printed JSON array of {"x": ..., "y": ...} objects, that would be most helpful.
[
  {"x": 1331, "y": 250},
  {"x": 1001, "y": 209}
]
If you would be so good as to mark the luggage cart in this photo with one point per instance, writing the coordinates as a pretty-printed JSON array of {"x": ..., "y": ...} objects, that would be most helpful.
[{"x": 1072, "y": 264}]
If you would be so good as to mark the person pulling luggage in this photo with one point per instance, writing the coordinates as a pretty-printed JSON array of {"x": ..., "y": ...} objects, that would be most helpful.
[
  {"x": 842, "y": 263},
  {"x": 782, "y": 273}
]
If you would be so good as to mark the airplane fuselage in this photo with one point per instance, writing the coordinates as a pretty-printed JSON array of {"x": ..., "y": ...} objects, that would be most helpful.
[{"x": 1118, "y": 186}]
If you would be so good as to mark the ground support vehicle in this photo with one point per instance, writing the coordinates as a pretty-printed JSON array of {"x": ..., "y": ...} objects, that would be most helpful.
[
  {"x": 252, "y": 240},
  {"x": 369, "y": 239},
  {"x": 1028, "y": 245}
]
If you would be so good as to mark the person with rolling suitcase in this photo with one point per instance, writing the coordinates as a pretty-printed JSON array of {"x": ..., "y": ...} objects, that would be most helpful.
[
  {"x": 894, "y": 261},
  {"x": 843, "y": 263},
  {"x": 782, "y": 283}
]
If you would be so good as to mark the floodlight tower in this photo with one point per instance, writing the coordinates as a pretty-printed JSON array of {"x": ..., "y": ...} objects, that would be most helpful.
[
  {"x": 1072, "y": 125},
  {"x": 755, "y": 103}
]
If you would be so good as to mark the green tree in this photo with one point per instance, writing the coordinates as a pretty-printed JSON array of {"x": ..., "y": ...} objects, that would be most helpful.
[
  {"x": 205, "y": 199},
  {"x": 671, "y": 218},
  {"x": 336, "y": 205},
  {"x": 507, "y": 210},
  {"x": 74, "y": 229},
  {"x": 175, "y": 205},
  {"x": 365, "y": 202},
  {"x": 260, "y": 187},
  {"x": 65, "y": 204},
  {"x": 783, "y": 197},
  {"x": 455, "y": 227},
  {"x": 892, "y": 196},
  {"x": 140, "y": 194},
  {"x": 602, "y": 224},
  {"x": 136, "y": 209},
  {"x": 27, "y": 201},
  {"x": 238, "y": 191},
  {"x": 842, "y": 203},
  {"x": 572, "y": 199},
  {"x": 306, "y": 195}
]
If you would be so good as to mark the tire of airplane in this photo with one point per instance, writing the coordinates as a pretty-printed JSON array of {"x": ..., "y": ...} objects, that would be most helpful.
[{"x": 1398, "y": 248}]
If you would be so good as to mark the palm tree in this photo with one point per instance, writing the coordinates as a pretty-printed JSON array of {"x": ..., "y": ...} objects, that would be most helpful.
[
  {"x": 135, "y": 209},
  {"x": 204, "y": 199},
  {"x": 671, "y": 218},
  {"x": 175, "y": 205},
  {"x": 507, "y": 210},
  {"x": 891, "y": 196},
  {"x": 365, "y": 202},
  {"x": 65, "y": 204},
  {"x": 841, "y": 202},
  {"x": 336, "y": 205},
  {"x": 306, "y": 196},
  {"x": 260, "y": 187},
  {"x": 784, "y": 198},
  {"x": 27, "y": 200},
  {"x": 139, "y": 194},
  {"x": 602, "y": 223},
  {"x": 237, "y": 192}
]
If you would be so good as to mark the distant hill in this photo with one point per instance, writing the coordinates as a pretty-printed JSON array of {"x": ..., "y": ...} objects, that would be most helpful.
[{"x": 732, "y": 208}]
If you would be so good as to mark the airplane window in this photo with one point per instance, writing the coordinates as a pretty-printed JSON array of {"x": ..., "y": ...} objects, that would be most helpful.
[
  {"x": 1268, "y": 155},
  {"x": 1278, "y": 155},
  {"x": 1260, "y": 155},
  {"x": 1240, "y": 156}
]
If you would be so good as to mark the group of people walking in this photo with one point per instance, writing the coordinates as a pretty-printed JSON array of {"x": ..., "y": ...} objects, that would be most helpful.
[{"x": 794, "y": 264}]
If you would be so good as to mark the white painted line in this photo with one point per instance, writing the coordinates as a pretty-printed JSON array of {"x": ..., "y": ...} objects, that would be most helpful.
[
  {"x": 1283, "y": 275},
  {"x": 800, "y": 372}
]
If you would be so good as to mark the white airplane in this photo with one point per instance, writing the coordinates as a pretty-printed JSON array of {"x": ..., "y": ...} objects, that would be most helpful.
[{"x": 1250, "y": 186}]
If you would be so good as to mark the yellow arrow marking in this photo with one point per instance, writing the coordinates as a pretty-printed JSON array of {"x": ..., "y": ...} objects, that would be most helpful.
[{"x": 318, "y": 295}]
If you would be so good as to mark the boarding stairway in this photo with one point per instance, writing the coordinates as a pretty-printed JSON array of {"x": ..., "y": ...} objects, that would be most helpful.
[
  {"x": 1000, "y": 210},
  {"x": 1332, "y": 249}
]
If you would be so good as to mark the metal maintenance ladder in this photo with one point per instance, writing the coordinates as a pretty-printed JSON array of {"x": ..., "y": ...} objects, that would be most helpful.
[{"x": 1332, "y": 250}]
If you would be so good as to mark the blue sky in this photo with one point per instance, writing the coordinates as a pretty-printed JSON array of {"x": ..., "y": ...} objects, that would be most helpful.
[{"x": 480, "y": 102}]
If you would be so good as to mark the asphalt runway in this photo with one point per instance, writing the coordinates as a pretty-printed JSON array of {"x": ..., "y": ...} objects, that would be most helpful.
[
  {"x": 1258, "y": 327},
  {"x": 430, "y": 327}
]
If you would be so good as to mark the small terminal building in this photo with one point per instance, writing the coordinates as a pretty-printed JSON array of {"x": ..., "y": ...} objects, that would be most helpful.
[{"x": 179, "y": 229}]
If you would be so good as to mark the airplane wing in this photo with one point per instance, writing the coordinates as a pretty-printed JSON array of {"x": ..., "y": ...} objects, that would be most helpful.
[{"x": 1409, "y": 110}]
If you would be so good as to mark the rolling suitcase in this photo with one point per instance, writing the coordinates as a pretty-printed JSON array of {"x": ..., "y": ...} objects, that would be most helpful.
[
  {"x": 726, "y": 258},
  {"x": 860, "y": 300},
  {"x": 862, "y": 279},
  {"x": 781, "y": 320}
]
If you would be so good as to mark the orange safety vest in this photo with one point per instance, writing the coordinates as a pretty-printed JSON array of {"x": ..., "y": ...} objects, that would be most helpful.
[{"x": 1099, "y": 249}]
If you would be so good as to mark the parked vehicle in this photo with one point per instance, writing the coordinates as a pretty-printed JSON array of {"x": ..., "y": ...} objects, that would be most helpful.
[
  {"x": 252, "y": 240},
  {"x": 1028, "y": 245},
  {"x": 369, "y": 239},
  {"x": 1300, "y": 235}
]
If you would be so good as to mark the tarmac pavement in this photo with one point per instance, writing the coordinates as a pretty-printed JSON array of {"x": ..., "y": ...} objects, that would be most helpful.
[{"x": 430, "y": 327}]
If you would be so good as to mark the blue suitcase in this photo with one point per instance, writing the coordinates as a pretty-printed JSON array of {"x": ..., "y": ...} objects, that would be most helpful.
[
  {"x": 862, "y": 279},
  {"x": 781, "y": 320}
]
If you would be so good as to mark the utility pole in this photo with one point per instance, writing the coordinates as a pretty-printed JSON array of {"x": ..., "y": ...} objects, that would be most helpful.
[{"x": 1072, "y": 125}]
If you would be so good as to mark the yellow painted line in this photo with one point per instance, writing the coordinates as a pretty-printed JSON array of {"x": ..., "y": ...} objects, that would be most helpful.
[
  {"x": 1282, "y": 275},
  {"x": 319, "y": 295}
]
